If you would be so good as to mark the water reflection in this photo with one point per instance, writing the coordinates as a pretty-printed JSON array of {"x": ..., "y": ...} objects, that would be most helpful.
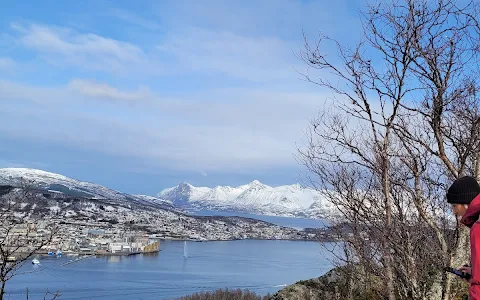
[{"x": 113, "y": 259}]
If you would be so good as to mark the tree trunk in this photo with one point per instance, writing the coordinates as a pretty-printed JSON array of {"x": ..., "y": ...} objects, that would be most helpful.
[
  {"x": 389, "y": 270},
  {"x": 388, "y": 221},
  {"x": 2, "y": 291},
  {"x": 459, "y": 257}
]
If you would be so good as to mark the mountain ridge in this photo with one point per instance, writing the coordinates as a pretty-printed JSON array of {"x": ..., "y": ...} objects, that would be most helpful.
[
  {"x": 59, "y": 183},
  {"x": 77, "y": 205},
  {"x": 254, "y": 197}
]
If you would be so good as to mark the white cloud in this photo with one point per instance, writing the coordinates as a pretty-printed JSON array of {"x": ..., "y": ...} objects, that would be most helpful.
[
  {"x": 134, "y": 19},
  {"x": 77, "y": 90},
  {"x": 15, "y": 92},
  {"x": 65, "y": 47},
  {"x": 246, "y": 127},
  {"x": 101, "y": 90},
  {"x": 252, "y": 130},
  {"x": 227, "y": 53},
  {"x": 286, "y": 18}
]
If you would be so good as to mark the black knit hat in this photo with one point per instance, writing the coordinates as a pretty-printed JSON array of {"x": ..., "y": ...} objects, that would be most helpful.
[{"x": 463, "y": 190}]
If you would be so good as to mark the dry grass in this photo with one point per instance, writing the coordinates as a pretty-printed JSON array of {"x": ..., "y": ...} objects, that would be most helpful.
[{"x": 226, "y": 294}]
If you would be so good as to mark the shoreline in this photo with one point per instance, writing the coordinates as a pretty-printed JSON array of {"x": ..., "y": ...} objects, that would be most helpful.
[
  {"x": 249, "y": 239},
  {"x": 68, "y": 253}
]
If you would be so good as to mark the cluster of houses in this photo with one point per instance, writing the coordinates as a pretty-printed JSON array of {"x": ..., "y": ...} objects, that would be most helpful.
[
  {"x": 84, "y": 240},
  {"x": 101, "y": 241}
]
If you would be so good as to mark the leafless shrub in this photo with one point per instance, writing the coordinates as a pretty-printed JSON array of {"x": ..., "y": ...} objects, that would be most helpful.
[
  {"x": 21, "y": 233},
  {"x": 403, "y": 123},
  {"x": 226, "y": 294}
]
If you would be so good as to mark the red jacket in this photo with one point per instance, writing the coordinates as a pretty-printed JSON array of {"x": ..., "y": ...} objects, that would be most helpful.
[{"x": 471, "y": 219}]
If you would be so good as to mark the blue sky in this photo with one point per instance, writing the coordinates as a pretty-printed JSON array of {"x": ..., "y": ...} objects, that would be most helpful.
[{"x": 142, "y": 95}]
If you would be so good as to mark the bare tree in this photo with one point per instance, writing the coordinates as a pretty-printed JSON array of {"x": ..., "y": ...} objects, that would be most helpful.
[
  {"x": 22, "y": 233},
  {"x": 404, "y": 123}
]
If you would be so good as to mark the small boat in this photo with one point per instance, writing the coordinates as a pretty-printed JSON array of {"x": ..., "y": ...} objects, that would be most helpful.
[
  {"x": 50, "y": 253},
  {"x": 35, "y": 261},
  {"x": 185, "y": 253},
  {"x": 59, "y": 253}
]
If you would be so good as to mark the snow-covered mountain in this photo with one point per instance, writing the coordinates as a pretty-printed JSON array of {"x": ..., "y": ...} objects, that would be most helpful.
[
  {"x": 79, "y": 204},
  {"x": 255, "y": 197},
  {"x": 59, "y": 183}
]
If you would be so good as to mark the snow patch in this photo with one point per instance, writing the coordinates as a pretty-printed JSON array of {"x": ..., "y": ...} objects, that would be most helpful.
[
  {"x": 70, "y": 213},
  {"x": 55, "y": 208},
  {"x": 109, "y": 208}
]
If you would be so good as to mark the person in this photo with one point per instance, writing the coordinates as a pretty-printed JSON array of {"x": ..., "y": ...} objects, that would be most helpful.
[{"x": 464, "y": 195}]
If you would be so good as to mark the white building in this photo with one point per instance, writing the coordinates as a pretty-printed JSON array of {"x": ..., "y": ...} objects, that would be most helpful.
[{"x": 119, "y": 247}]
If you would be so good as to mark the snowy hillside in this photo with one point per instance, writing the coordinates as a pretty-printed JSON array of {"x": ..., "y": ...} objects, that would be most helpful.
[
  {"x": 56, "y": 182},
  {"x": 153, "y": 199},
  {"x": 79, "y": 205},
  {"x": 255, "y": 197}
]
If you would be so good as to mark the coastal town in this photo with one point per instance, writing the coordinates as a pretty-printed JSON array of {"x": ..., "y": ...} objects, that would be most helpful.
[
  {"x": 66, "y": 240},
  {"x": 107, "y": 227}
]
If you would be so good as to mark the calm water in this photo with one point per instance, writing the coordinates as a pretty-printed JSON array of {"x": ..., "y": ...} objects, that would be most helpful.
[
  {"x": 299, "y": 223},
  {"x": 261, "y": 266}
]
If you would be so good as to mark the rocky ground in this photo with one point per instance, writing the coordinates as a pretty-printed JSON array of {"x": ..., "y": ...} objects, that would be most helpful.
[{"x": 333, "y": 285}]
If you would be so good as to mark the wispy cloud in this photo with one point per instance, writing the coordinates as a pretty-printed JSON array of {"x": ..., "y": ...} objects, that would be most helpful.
[
  {"x": 199, "y": 133},
  {"x": 7, "y": 64},
  {"x": 187, "y": 85},
  {"x": 96, "y": 90},
  {"x": 134, "y": 19},
  {"x": 65, "y": 47},
  {"x": 284, "y": 19},
  {"x": 77, "y": 91},
  {"x": 226, "y": 53}
]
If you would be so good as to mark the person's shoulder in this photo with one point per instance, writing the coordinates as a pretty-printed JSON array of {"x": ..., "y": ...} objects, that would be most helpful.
[
  {"x": 475, "y": 227},
  {"x": 475, "y": 235}
]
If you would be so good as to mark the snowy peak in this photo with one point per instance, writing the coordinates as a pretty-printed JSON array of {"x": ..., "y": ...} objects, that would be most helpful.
[
  {"x": 19, "y": 174},
  {"x": 182, "y": 193},
  {"x": 254, "y": 197},
  {"x": 54, "y": 182},
  {"x": 63, "y": 184},
  {"x": 184, "y": 188},
  {"x": 257, "y": 185}
]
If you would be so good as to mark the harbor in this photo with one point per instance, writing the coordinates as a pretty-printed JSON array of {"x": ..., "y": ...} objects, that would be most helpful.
[
  {"x": 124, "y": 248},
  {"x": 88, "y": 242}
]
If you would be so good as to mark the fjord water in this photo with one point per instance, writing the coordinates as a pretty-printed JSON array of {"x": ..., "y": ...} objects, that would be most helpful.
[
  {"x": 297, "y": 223},
  {"x": 260, "y": 266}
]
